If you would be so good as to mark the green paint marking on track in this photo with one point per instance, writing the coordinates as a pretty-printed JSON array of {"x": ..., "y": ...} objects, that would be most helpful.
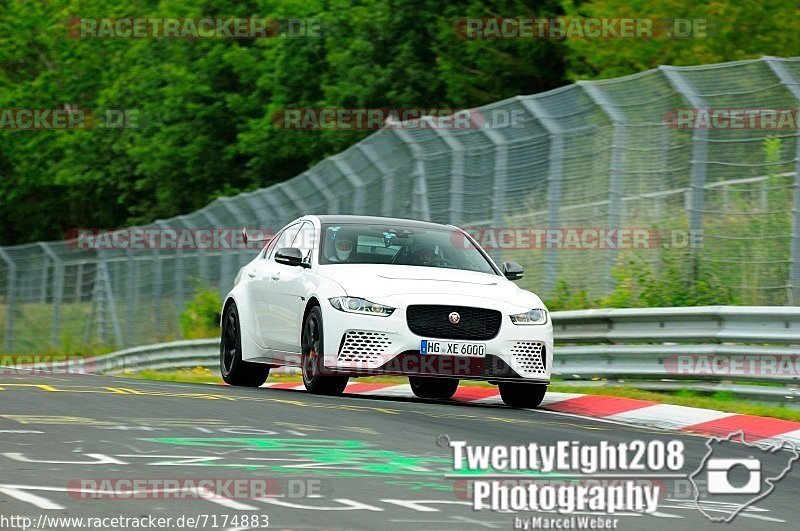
[
  {"x": 347, "y": 458},
  {"x": 328, "y": 457}
]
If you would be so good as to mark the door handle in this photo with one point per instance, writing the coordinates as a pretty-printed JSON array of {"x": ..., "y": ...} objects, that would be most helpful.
[
  {"x": 251, "y": 275},
  {"x": 276, "y": 276}
]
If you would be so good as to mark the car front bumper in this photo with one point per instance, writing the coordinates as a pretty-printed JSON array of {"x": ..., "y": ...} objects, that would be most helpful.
[{"x": 366, "y": 345}]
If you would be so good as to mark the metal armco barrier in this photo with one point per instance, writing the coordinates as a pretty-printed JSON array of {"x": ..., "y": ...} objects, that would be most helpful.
[
  {"x": 701, "y": 344},
  {"x": 738, "y": 343}
]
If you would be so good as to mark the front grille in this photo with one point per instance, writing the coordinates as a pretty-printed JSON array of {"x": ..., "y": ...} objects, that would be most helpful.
[
  {"x": 529, "y": 355},
  {"x": 363, "y": 346},
  {"x": 432, "y": 321}
]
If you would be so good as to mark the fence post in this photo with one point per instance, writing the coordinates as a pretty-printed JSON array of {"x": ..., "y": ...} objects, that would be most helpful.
[
  {"x": 616, "y": 178},
  {"x": 388, "y": 206},
  {"x": 793, "y": 84},
  {"x": 201, "y": 252},
  {"x": 158, "y": 281},
  {"x": 102, "y": 302},
  {"x": 699, "y": 159},
  {"x": 331, "y": 199},
  {"x": 130, "y": 296},
  {"x": 359, "y": 207},
  {"x": 112, "y": 304},
  {"x": 58, "y": 292},
  {"x": 456, "y": 209},
  {"x": 178, "y": 280},
  {"x": 177, "y": 277},
  {"x": 499, "y": 185},
  {"x": 419, "y": 206},
  {"x": 556, "y": 132},
  {"x": 11, "y": 280},
  {"x": 223, "y": 256},
  {"x": 230, "y": 205}
]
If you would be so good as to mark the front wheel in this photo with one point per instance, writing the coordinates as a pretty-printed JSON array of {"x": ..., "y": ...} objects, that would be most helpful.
[
  {"x": 522, "y": 395},
  {"x": 234, "y": 370},
  {"x": 314, "y": 377},
  {"x": 435, "y": 388}
]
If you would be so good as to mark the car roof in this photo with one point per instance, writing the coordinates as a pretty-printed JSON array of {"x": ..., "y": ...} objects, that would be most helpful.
[{"x": 377, "y": 220}]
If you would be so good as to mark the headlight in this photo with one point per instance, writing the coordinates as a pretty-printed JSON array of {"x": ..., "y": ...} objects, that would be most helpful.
[
  {"x": 531, "y": 317},
  {"x": 362, "y": 306}
]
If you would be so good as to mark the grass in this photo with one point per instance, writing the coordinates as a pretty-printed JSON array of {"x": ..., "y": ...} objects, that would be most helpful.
[
  {"x": 719, "y": 401},
  {"x": 33, "y": 327},
  {"x": 196, "y": 375}
]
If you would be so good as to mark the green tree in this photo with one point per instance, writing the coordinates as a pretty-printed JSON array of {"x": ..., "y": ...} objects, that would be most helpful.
[{"x": 728, "y": 31}]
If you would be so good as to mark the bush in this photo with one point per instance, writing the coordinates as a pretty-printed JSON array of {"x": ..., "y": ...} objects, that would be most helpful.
[{"x": 201, "y": 317}]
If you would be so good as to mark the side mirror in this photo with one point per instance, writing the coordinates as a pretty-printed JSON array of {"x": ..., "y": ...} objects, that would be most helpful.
[
  {"x": 512, "y": 270},
  {"x": 291, "y": 256}
]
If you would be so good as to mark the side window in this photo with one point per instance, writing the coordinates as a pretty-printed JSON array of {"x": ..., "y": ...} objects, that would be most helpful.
[
  {"x": 306, "y": 240},
  {"x": 284, "y": 239}
]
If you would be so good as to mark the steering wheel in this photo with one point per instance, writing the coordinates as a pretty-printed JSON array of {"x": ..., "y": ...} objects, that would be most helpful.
[{"x": 439, "y": 261}]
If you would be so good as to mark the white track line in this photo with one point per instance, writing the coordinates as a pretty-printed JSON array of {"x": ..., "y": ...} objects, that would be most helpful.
[{"x": 669, "y": 416}]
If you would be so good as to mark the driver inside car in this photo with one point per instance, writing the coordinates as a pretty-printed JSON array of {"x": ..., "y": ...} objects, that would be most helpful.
[
  {"x": 424, "y": 255},
  {"x": 343, "y": 249}
]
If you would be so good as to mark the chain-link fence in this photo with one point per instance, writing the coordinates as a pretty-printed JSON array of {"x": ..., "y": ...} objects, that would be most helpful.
[{"x": 560, "y": 168}]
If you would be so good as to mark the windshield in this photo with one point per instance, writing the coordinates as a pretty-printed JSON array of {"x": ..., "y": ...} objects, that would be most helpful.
[{"x": 401, "y": 245}]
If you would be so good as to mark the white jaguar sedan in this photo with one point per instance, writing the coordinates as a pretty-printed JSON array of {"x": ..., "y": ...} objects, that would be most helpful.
[{"x": 349, "y": 296}]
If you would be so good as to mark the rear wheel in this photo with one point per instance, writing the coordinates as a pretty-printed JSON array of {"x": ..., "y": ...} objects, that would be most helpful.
[
  {"x": 522, "y": 395},
  {"x": 435, "y": 388},
  {"x": 234, "y": 370},
  {"x": 314, "y": 377}
]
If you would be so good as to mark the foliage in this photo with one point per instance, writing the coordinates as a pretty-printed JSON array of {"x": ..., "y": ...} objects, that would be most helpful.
[
  {"x": 727, "y": 31},
  {"x": 205, "y": 106},
  {"x": 565, "y": 298},
  {"x": 746, "y": 240},
  {"x": 639, "y": 284},
  {"x": 201, "y": 317}
]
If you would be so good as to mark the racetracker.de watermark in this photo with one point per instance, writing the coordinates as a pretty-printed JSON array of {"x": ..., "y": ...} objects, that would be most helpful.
[
  {"x": 192, "y": 488},
  {"x": 580, "y": 28},
  {"x": 577, "y": 238},
  {"x": 752, "y": 365},
  {"x": 165, "y": 238},
  {"x": 12, "y": 364},
  {"x": 729, "y": 119},
  {"x": 43, "y": 119},
  {"x": 372, "y": 119},
  {"x": 442, "y": 363},
  {"x": 192, "y": 28}
]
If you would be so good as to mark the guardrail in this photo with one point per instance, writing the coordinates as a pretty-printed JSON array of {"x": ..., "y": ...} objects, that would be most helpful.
[{"x": 655, "y": 348}]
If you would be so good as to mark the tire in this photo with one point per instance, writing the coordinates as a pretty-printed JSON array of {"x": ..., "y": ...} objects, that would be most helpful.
[
  {"x": 522, "y": 395},
  {"x": 313, "y": 370},
  {"x": 234, "y": 370},
  {"x": 433, "y": 388}
]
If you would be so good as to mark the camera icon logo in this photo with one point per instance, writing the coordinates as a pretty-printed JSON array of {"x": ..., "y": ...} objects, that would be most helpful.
[
  {"x": 736, "y": 473},
  {"x": 719, "y": 476}
]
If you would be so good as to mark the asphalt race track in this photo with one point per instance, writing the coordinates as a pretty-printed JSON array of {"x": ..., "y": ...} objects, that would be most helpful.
[{"x": 350, "y": 462}]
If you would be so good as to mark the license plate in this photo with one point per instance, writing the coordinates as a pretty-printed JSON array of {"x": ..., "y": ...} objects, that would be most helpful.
[{"x": 452, "y": 348}]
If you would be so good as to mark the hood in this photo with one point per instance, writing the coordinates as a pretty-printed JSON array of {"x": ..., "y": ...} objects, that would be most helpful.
[{"x": 371, "y": 281}]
